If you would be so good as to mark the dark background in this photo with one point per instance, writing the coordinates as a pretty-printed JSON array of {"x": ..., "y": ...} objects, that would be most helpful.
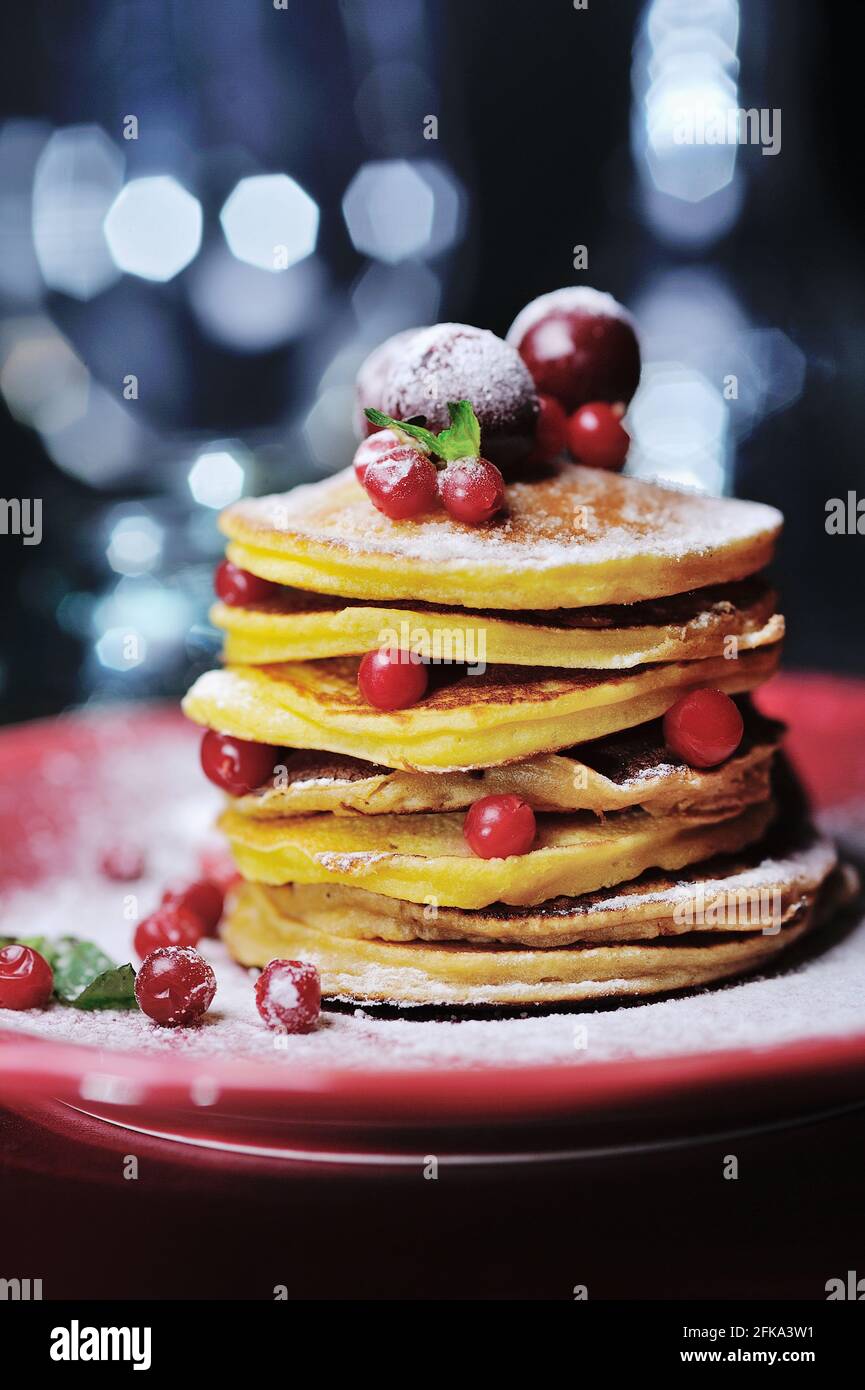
[{"x": 542, "y": 135}]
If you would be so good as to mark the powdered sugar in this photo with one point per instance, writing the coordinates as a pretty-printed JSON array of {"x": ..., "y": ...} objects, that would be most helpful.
[
  {"x": 454, "y": 361},
  {"x": 156, "y": 789}
]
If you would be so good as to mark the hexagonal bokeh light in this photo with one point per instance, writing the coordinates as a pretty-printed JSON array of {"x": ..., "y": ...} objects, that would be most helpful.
[
  {"x": 77, "y": 178},
  {"x": 217, "y": 476},
  {"x": 153, "y": 228},
  {"x": 270, "y": 222},
  {"x": 397, "y": 208}
]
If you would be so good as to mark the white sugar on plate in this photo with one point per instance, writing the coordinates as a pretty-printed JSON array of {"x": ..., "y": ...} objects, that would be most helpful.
[{"x": 155, "y": 795}]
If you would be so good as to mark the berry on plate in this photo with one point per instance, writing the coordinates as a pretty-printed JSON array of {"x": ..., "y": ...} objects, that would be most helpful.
[
  {"x": 288, "y": 996},
  {"x": 204, "y": 899},
  {"x": 26, "y": 978},
  {"x": 169, "y": 925},
  {"x": 498, "y": 826},
  {"x": 175, "y": 985},
  {"x": 703, "y": 728},
  {"x": 122, "y": 863}
]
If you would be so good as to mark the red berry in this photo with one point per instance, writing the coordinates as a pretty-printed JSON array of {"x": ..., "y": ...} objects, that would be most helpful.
[
  {"x": 204, "y": 899},
  {"x": 239, "y": 588},
  {"x": 392, "y": 678},
  {"x": 174, "y": 985},
  {"x": 579, "y": 346},
  {"x": 235, "y": 764},
  {"x": 402, "y": 483},
  {"x": 551, "y": 436},
  {"x": 122, "y": 863},
  {"x": 473, "y": 490},
  {"x": 26, "y": 978},
  {"x": 370, "y": 450},
  {"x": 218, "y": 866},
  {"x": 703, "y": 727},
  {"x": 596, "y": 436},
  {"x": 288, "y": 996},
  {"x": 169, "y": 925},
  {"x": 499, "y": 826}
]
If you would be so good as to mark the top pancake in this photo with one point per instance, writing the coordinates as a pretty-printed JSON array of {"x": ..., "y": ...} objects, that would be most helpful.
[{"x": 571, "y": 538}]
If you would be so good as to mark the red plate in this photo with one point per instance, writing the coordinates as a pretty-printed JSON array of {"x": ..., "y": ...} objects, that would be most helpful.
[{"x": 399, "y": 1116}]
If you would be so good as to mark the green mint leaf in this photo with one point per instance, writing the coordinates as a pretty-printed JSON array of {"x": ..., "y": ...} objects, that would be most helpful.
[
  {"x": 463, "y": 438},
  {"x": 386, "y": 422},
  {"x": 76, "y": 964},
  {"x": 113, "y": 989}
]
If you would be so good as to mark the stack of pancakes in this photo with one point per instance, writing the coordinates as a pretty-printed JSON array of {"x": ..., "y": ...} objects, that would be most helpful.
[{"x": 558, "y": 637}]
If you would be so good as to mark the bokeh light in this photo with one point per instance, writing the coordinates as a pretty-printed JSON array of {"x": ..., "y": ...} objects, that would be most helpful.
[
  {"x": 77, "y": 178},
  {"x": 153, "y": 228},
  {"x": 270, "y": 222},
  {"x": 217, "y": 476}
]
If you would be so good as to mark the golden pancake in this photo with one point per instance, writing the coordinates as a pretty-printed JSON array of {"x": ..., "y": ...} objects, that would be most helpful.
[
  {"x": 457, "y": 973},
  {"x": 631, "y": 768},
  {"x": 760, "y": 889},
  {"x": 571, "y": 538},
  {"x": 501, "y": 716},
  {"x": 298, "y": 626},
  {"x": 426, "y": 859}
]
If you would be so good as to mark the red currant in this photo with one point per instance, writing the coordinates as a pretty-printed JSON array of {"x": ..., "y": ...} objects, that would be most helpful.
[
  {"x": 174, "y": 985},
  {"x": 703, "y": 727},
  {"x": 288, "y": 996},
  {"x": 473, "y": 490},
  {"x": 392, "y": 678},
  {"x": 499, "y": 826},
  {"x": 122, "y": 863},
  {"x": 204, "y": 899},
  {"x": 235, "y": 764},
  {"x": 401, "y": 483},
  {"x": 26, "y": 978},
  {"x": 579, "y": 346},
  {"x": 371, "y": 449},
  {"x": 551, "y": 436},
  {"x": 597, "y": 437},
  {"x": 239, "y": 588},
  {"x": 167, "y": 926}
]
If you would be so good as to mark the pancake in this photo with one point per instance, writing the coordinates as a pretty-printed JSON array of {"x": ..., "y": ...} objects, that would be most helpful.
[
  {"x": 425, "y": 858},
  {"x": 764, "y": 887},
  {"x": 631, "y": 768},
  {"x": 570, "y": 538},
  {"x": 298, "y": 626},
  {"x": 458, "y": 973},
  {"x": 503, "y": 715}
]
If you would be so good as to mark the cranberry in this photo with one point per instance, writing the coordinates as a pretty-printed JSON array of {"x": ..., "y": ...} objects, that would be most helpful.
[
  {"x": 579, "y": 346},
  {"x": 288, "y": 996},
  {"x": 204, "y": 899},
  {"x": 169, "y": 925},
  {"x": 239, "y": 588},
  {"x": 597, "y": 437},
  {"x": 473, "y": 490},
  {"x": 370, "y": 450},
  {"x": 703, "y": 727},
  {"x": 235, "y": 764},
  {"x": 551, "y": 437},
  {"x": 122, "y": 863},
  {"x": 402, "y": 483},
  {"x": 499, "y": 826},
  {"x": 218, "y": 866},
  {"x": 26, "y": 978},
  {"x": 174, "y": 985},
  {"x": 392, "y": 678}
]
